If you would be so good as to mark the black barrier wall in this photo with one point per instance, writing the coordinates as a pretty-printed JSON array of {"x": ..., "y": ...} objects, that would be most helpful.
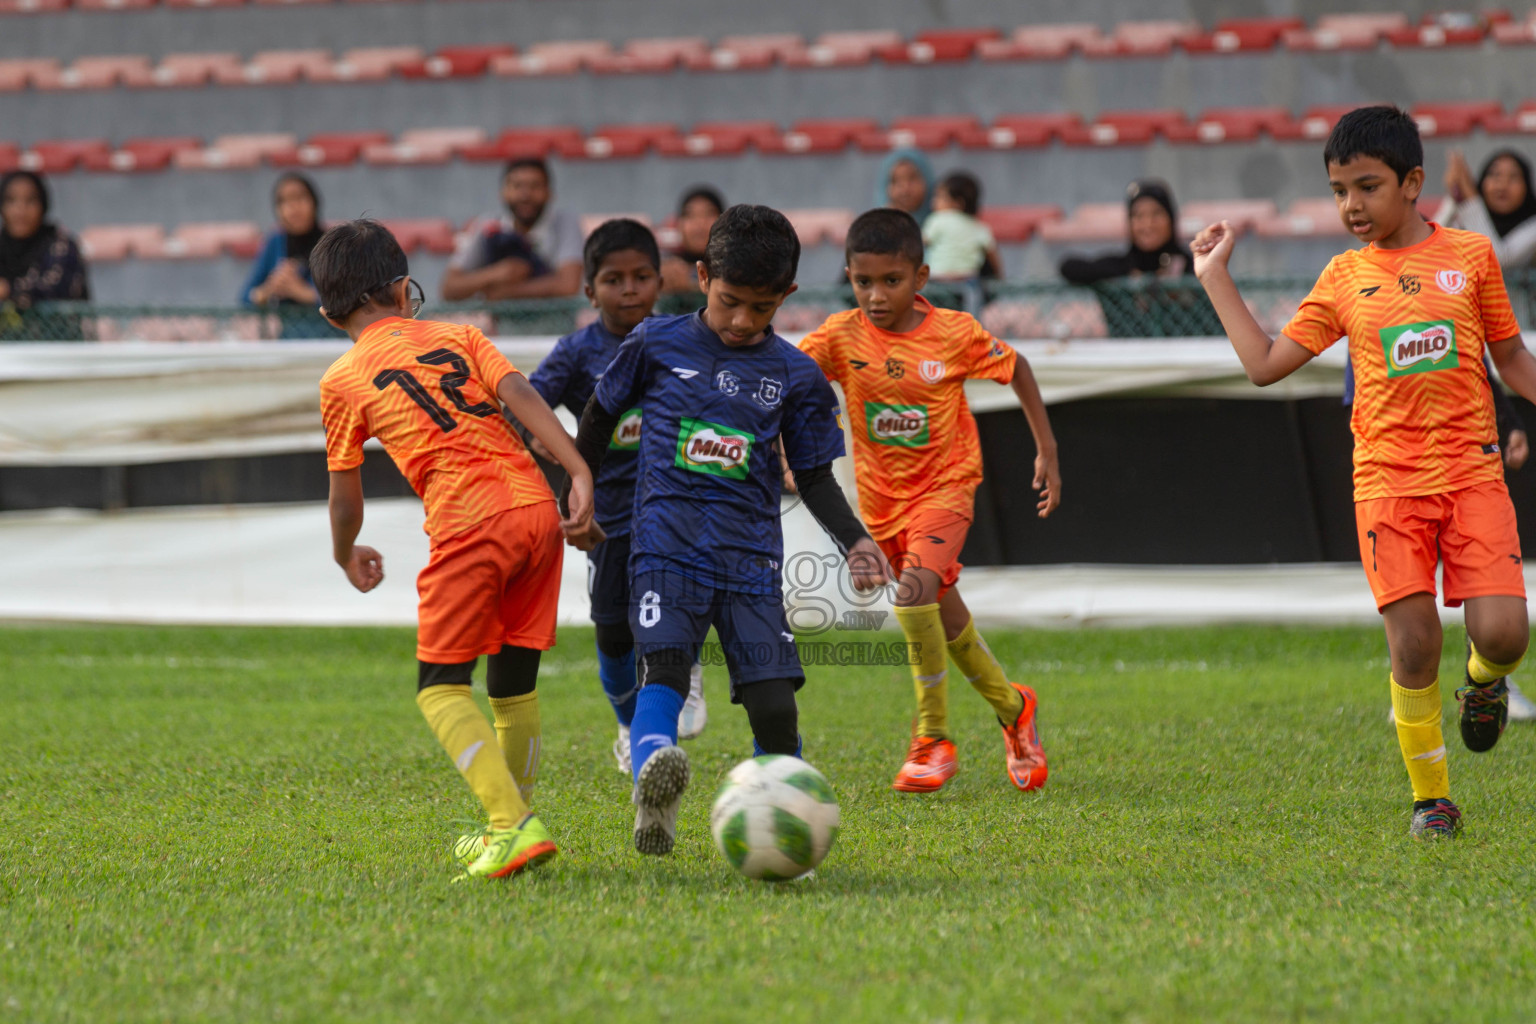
[{"x": 1145, "y": 481}]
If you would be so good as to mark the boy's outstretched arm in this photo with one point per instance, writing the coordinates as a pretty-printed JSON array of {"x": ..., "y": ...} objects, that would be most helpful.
[
  {"x": 1047, "y": 471},
  {"x": 363, "y": 565},
  {"x": 1516, "y": 366},
  {"x": 828, "y": 505},
  {"x": 529, "y": 407},
  {"x": 1264, "y": 359}
]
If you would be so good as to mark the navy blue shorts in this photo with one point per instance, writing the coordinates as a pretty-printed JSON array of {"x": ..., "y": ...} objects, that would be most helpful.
[
  {"x": 608, "y": 581},
  {"x": 670, "y": 611}
]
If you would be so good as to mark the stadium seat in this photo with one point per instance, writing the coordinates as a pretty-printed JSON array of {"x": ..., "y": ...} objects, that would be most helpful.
[
  {"x": 1017, "y": 223},
  {"x": 1021, "y": 131},
  {"x": 32, "y": 6},
  {"x": 555, "y": 58},
  {"x": 114, "y": 5},
  {"x": 1441, "y": 119},
  {"x": 282, "y": 67},
  {"x": 1515, "y": 33},
  {"x": 152, "y": 154},
  {"x": 332, "y": 149},
  {"x": 928, "y": 133},
  {"x": 627, "y": 140},
  {"x": 845, "y": 48},
  {"x": 287, "y": 3},
  {"x": 1089, "y": 222},
  {"x": 1315, "y": 123},
  {"x": 57, "y": 156},
  {"x": 1129, "y": 128},
  {"x": 1234, "y": 34},
  {"x": 1313, "y": 217},
  {"x": 10, "y": 157},
  {"x": 722, "y": 138},
  {"x": 751, "y": 53},
  {"x": 1442, "y": 30},
  {"x": 431, "y": 234},
  {"x": 1152, "y": 38},
  {"x": 533, "y": 141},
  {"x": 204, "y": 3},
  {"x": 822, "y": 135},
  {"x": 655, "y": 56},
  {"x": 97, "y": 73},
  {"x": 113, "y": 242},
  {"x": 423, "y": 146},
  {"x": 236, "y": 151},
  {"x": 1243, "y": 213},
  {"x": 456, "y": 62},
  {"x": 240, "y": 239},
  {"x": 1047, "y": 42},
  {"x": 820, "y": 226},
  {"x": 1242, "y": 124},
  {"x": 195, "y": 69},
  {"x": 1520, "y": 120},
  {"x": 954, "y": 44},
  {"x": 370, "y": 64},
  {"x": 16, "y": 75},
  {"x": 1345, "y": 31}
]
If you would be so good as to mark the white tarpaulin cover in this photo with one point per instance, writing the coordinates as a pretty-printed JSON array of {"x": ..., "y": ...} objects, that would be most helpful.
[{"x": 133, "y": 402}]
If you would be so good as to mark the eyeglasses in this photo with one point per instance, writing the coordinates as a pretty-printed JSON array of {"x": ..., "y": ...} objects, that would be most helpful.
[{"x": 416, "y": 301}]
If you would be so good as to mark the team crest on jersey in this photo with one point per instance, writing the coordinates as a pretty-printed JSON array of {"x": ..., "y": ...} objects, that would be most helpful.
[
  {"x": 1420, "y": 348},
  {"x": 626, "y": 435},
  {"x": 997, "y": 350},
  {"x": 1451, "y": 281},
  {"x": 931, "y": 370},
  {"x": 713, "y": 449},
  {"x": 769, "y": 393},
  {"x": 902, "y": 426},
  {"x": 728, "y": 382}
]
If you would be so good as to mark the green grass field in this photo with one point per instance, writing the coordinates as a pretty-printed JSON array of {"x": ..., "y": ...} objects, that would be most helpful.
[{"x": 252, "y": 825}]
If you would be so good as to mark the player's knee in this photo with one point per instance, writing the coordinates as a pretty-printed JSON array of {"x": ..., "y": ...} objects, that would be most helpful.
[
  {"x": 773, "y": 714},
  {"x": 431, "y": 674},
  {"x": 917, "y": 587},
  {"x": 614, "y": 640},
  {"x": 666, "y": 666},
  {"x": 512, "y": 671}
]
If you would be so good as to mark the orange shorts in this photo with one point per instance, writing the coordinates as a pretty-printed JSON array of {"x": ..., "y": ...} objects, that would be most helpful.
[
  {"x": 496, "y": 583},
  {"x": 1471, "y": 530},
  {"x": 930, "y": 539}
]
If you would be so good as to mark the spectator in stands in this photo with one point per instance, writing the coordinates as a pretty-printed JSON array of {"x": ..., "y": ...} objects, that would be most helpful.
[
  {"x": 279, "y": 281},
  {"x": 696, "y": 214},
  {"x": 1155, "y": 246},
  {"x": 533, "y": 250},
  {"x": 906, "y": 183},
  {"x": 958, "y": 244},
  {"x": 38, "y": 262},
  {"x": 1499, "y": 204}
]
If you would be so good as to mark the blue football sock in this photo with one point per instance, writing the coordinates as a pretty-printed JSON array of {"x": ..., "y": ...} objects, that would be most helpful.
[
  {"x": 618, "y": 678},
  {"x": 655, "y": 723},
  {"x": 758, "y": 751}
]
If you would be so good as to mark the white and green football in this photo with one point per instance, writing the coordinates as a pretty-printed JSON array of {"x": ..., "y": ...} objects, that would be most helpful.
[{"x": 774, "y": 818}]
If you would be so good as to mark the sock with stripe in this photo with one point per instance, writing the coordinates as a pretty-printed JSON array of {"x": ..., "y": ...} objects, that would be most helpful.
[
  {"x": 470, "y": 741},
  {"x": 1482, "y": 671},
  {"x": 617, "y": 673},
  {"x": 1418, "y": 734},
  {"x": 655, "y": 723},
  {"x": 519, "y": 735},
  {"x": 976, "y": 660},
  {"x": 924, "y": 630}
]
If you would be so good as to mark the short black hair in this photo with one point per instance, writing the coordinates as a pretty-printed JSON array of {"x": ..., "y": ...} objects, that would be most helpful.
[
  {"x": 536, "y": 162},
  {"x": 352, "y": 262},
  {"x": 753, "y": 247},
  {"x": 964, "y": 189},
  {"x": 886, "y": 232},
  {"x": 618, "y": 235},
  {"x": 706, "y": 192},
  {"x": 1383, "y": 133}
]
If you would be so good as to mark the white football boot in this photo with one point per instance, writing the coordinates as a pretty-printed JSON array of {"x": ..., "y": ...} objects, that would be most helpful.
[
  {"x": 621, "y": 750},
  {"x": 658, "y": 794},
  {"x": 691, "y": 722}
]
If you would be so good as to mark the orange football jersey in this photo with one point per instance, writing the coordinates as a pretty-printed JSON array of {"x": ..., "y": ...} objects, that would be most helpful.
[
  {"x": 913, "y": 433},
  {"x": 1418, "y": 321},
  {"x": 427, "y": 391}
]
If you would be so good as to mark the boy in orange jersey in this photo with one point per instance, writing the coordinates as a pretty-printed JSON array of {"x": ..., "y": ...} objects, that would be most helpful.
[
  {"x": 1419, "y": 304},
  {"x": 903, "y": 365},
  {"x": 433, "y": 394}
]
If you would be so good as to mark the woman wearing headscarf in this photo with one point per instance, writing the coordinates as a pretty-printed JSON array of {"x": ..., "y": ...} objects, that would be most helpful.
[
  {"x": 697, "y": 212},
  {"x": 280, "y": 280},
  {"x": 1499, "y": 204},
  {"x": 38, "y": 262},
  {"x": 905, "y": 183}
]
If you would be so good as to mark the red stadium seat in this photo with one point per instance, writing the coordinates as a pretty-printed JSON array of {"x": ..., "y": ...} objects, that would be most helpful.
[
  {"x": 189, "y": 69},
  {"x": 1314, "y": 217},
  {"x": 1454, "y": 118},
  {"x": 1316, "y": 123},
  {"x": 1023, "y": 131},
  {"x": 1242, "y": 124},
  {"x": 1520, "y": 120},
  {"x": 153, "y": 154},
  {"x": 98, "y": 73},
  {"x": 106, "y": 243},
  {"x": 1047, "y": 42},
  {"x": 204, "y": 3},
  {"x": 823, "y": 225},
  {"x": 57, "y": 156},
  {"x": 113, "y": 5},
  {"x": 723, "y": 138},
  {"x": 1243, "y": 213},
  {"x": 1345, "y": 31},
  {"x": 561, "y": 58},
  {"x": 951, "y": 44},
  {"x": 1090, "y": 222},
  {"x": 653, "y": 56},
  {"x": 936, "y": 132},
  {"x": 456, "y": 62},
  {"x": 236, "y": 151},
  {"x": 628, "y": 140},
  {"x": 32, "y": 6},
  {"x": 1129, "y": 128},
  {"x": 10, "y": 157},
  {"x": 1234, "y": 34},
  {"x": 845, "y": 48},
  {"x": 1442, "y": 30},
  {"x": 370, "y": 64},
  {"x": 1152, "y": 38},
  {"x": 332, "y": 149},
  {"x": 287, "y": 3},
  {"x": 533, "y": 141},
  {"x": 1515, "y": 33},
  {"x": 281, "y": 67},
  {"x": 16, "y": 75},
  {"x": 750, "y": 53},
  {"x": 209, "y": 240},
  {"x": 1017, "y": 223},
  {"x": 822, "y": 135},
  {"x": 432, "y": 234},
  {"x": 424, "y": 146}
]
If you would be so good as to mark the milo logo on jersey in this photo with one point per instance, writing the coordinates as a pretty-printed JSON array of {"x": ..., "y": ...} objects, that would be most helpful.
[
  {"x": 905, "y": 426},
  {"x": 626, "y": 436},
  {"x": 713, "y": 448},
  {"x": 1420, "y": 348}
]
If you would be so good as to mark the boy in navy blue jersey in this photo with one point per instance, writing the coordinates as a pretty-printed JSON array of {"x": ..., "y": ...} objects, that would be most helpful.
[
  {"x": 721, "y": 391},
  {"x": 623, "y": 277}
]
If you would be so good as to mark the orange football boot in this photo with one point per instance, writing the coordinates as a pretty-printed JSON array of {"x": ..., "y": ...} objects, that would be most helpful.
[
  {"x": 1026, "y": 757},
  {"x": 930, "y": 764}
]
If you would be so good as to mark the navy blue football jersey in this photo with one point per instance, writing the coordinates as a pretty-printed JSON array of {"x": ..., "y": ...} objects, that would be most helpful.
[
  {"x": 707, "y": 501},
  {"x": 568, "y": 376}
]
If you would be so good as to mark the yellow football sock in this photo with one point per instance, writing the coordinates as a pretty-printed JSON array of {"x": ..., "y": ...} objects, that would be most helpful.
[
  {"x": 1418, "y": 734},
  {"x": 975, "y": 659},
  {"x": 925, "y": 641},
  {"x": 1484, "y": 671},
  {"x": 518, "y": 732},
  {"x": 468, "y": 738}
]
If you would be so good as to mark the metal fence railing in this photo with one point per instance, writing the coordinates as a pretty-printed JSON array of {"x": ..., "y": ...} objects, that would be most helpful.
[{"x": 1122, "y": 309}]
